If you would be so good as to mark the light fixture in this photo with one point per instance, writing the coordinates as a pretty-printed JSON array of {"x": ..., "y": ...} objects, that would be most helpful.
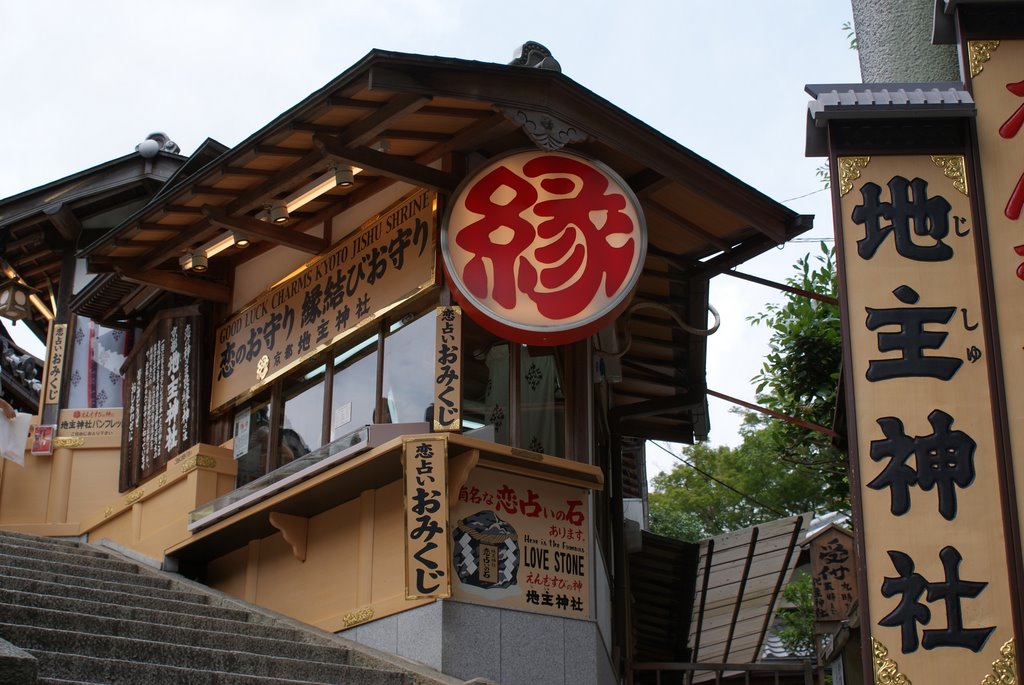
[
  {"x": 217, "y": 245},
  {"x": 14, "y": 300},
  {"x": 278, "y": 212},
  {"x": 241, "y": 240},
  {"x": 344, "y": 175},
  {"x": 194, "y": 261},
  {"x": 336, "y": 176}
]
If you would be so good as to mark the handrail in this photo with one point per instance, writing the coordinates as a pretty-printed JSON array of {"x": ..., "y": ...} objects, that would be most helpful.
[{"x": 805, "y": 666}]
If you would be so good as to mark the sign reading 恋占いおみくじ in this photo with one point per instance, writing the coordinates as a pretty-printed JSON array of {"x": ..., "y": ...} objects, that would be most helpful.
[
  {"x": 544, "y": 248},
  {"x": 388, "y": 260},
  {"x": 448, "y": 370},
  {"x": 521, "y": 543},
  {"x": 426, "y": 518}
]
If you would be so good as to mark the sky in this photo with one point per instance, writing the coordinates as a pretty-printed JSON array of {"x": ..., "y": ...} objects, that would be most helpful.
[{"x": 84, "y": 82}]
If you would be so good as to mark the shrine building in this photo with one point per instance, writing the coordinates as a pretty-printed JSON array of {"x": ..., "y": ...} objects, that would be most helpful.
[{"x": 387, "y": 366}]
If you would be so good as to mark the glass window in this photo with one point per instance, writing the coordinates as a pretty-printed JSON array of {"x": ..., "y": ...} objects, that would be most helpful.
[
  {"x": 302, "y": 430},
  {"x": 253, "y": 463},
  {"x": 485, "y": 390},
  {"x": 542, "y": 419},
  {"x": 354, "y": 389},
  {"x": 409, "y": 371},
  {"x": 97, "y": 354}
]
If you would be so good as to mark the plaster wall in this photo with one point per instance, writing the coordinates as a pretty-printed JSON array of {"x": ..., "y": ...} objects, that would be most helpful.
[
  {"x": 894, "y": 43},
  {"x": 353, "y": 569},
  {"x": 154, "y": 516}
]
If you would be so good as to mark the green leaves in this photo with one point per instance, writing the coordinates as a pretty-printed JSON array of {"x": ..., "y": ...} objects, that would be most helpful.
[{"x": 779, "y": 469}]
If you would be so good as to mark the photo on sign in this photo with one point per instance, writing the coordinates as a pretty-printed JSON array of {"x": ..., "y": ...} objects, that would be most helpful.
[{"x": 485, "y": 551}]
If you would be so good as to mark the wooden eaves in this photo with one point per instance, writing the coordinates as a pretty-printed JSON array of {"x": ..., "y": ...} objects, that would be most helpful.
[{"x": 427, "y": 121}]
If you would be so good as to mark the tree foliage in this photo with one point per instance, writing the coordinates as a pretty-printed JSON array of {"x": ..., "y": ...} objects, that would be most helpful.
[
  {"x": 800, "y": 374},
  {"x": 779, "y": 469},
  {"x": 797, "y": 633}
]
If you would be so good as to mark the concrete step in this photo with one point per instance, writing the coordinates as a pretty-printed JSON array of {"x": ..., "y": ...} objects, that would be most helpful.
[
  {"x": 220, "y": 619},
  {"x": 66, "y": 546},
  {"x": 153, "y": 587},
  {"x": 71, "y": 564},
  {"x": 76, "y": 586},
  {"x": 65, "y": 555},
  {"x": 119, "y": 599},
  {"x": 78, "y": 668},
  {"x": 36, "y": 641},
  {"x": 196, "y": 635}
]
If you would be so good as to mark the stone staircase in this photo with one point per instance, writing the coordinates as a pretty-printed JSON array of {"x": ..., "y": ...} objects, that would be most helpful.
[{"x": 73, "y": 613}]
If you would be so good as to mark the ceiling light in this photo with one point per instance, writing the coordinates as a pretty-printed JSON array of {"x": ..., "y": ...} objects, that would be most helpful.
[
  {"x": 344, "y": 175},
  {"x": 241, "y": 240},
  {"x": 194, "y": 261},
  {"x": 278, "y": 212}
]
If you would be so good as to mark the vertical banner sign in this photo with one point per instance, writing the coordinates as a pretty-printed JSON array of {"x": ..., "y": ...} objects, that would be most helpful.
[
  {"x": 997, "y": 84},
  {"x": 388, "y": 260},
  {"x": 426, "y": 518},
  {"x": 521, "y": 543},
  {"x": 926, "y": 463},
  {"x": 160, "y": 418},
  {"x": 448, "y": 370},
  {"x": 55, "y": 365}
]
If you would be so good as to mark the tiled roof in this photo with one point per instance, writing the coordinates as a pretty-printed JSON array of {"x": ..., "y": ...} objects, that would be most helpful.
[{"x": 880, "y": 101}]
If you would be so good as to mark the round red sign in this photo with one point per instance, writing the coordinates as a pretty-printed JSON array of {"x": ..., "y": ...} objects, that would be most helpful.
[{"x": 544, "y": 248}]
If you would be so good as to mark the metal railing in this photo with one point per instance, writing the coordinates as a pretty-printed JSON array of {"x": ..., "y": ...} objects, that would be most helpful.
[{"x": 726, "y": 672}]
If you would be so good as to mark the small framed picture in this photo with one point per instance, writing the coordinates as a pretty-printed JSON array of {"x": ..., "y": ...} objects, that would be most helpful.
[{"x": 42, "y": 440}]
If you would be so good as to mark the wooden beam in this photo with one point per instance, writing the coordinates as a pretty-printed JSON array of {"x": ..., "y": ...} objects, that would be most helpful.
[
  {"x": 128, "y": 242},
  {"x": 684, "y": 224},
  {"x": 254, "y": 228},
  {"x": 28, "y": 241},
  {"x": 210, "y": 190},
  {"x": 278, "y": 151},
  {"x": 360, "y": 132},
  {"x": 370, "y": 127},
  {"x": 64, "y": 220},
  {"x": 352, "y": 103},
  {"x": 396, "y": 167},
  {"x": 183, "y": 209},
  {"x": 177, "y": 283},
  {"x": 536, "y": 90},
  {"x": 470, "y": 137},
  {"x": 240, "y": 171}
]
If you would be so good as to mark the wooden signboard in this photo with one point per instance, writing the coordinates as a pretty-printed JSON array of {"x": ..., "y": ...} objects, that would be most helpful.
[
  {"x": 926, "y": 459},
  {"x": 426, "y": 518},
  {"x": 448, "y": 370},
  {"x": 381, "y": 265},
  {"x": 522, "y": 543},
  {"x": 834, "y": 573}
]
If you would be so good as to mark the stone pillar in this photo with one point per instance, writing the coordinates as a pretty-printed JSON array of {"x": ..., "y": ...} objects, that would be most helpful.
[{"x": 894, "y": 42}]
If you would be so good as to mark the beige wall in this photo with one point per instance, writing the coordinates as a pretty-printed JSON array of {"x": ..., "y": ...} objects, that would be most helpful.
[
  {"x": 354, "y": 567},
  {"x": 74, "y": 492}
]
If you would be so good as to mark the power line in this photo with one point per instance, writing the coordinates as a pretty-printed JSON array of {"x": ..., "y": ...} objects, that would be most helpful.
[
  {"x": 799, "y": 197},
  {"x": 722, "y": 483}
]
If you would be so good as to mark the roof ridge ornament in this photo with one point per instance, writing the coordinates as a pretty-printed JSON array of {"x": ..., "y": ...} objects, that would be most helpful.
[
  {"x": 547, "y": 132},
  {"x": 533, "y": 54},
  {"x": 155, "y": 142}
]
